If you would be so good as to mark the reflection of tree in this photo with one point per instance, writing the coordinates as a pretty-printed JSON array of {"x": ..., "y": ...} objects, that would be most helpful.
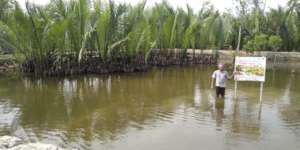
[
  {"x": 103, "y": 107},
  {"x": 244, "y": 121},
  {"x": 202, "y": 96},
  {"x": 84, "y": 109},
  {"x": 197, "y": 95},
  {"x": 290, "y": 104}
]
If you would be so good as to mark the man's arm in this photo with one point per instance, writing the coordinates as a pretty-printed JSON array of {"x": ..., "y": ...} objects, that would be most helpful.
[
  {"x": 212, "y": 80},
  {"x": 229, "y": 77},
  {"x": 212, "y": 83}
]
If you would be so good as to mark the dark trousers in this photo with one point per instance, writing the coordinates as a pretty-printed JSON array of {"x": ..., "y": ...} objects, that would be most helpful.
[{"x": 220, "y": 91}]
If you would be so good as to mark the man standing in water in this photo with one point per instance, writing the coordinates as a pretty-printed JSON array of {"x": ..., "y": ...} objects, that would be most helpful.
[{"x": 221, "y": 76}]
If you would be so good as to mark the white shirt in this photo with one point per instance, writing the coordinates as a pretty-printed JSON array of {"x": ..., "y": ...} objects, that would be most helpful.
[{"x": 221, "y": 78}]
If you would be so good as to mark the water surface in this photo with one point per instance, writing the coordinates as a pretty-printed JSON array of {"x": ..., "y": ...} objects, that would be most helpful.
[{"x": 164, "y": 109}]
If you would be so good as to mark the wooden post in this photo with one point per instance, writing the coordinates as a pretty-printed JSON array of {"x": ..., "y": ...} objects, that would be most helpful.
[
  {"x": 235, "y": 80},
  {"x": 259, "y": 111},
  {"x": 235, "y": 89},
  {"x": 261, "y": 91},
  {"x": 260, "y": 99}
]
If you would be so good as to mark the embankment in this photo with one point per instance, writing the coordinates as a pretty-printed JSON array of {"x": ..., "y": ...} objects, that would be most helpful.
[
  {"x": 272, "y": 57},
  {"x": 91, "y": 63},
  {"x": 8, "y": 64}
]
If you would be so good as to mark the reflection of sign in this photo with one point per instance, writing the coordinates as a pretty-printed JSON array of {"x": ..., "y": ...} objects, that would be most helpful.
[{"x": 250, "y": 68}]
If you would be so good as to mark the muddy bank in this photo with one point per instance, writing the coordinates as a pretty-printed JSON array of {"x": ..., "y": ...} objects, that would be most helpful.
[
  {"x": 8, "y": 64},
  {"x": 93, "y": 64}
]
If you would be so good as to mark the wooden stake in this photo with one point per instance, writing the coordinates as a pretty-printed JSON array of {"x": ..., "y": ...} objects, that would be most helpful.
[
  {"x": 235, "y": 89},
  {"x": 261, "y": 91}
]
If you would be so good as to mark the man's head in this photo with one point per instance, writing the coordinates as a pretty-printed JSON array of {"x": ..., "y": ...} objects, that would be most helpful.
[{"x": 221, "y": 67}]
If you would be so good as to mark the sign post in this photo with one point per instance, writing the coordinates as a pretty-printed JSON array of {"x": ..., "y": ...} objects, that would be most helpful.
[
  {"x": 235, "y": 89},
  {"x": 261, "y": 91},
  {"x": 250, "y": 69}
]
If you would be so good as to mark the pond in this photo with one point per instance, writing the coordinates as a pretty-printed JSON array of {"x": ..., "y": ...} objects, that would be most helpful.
[{"x": 163, "y": 109}]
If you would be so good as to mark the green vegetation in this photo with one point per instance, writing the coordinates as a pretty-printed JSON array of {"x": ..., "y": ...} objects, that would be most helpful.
[
  {"x": 275, "y": 42},
  {"x": 263, "y": 42},
  {"x": 77, "y": 30}
]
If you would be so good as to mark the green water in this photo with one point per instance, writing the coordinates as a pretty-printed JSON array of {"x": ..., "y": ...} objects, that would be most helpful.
[{"x": 163, "y": 109}]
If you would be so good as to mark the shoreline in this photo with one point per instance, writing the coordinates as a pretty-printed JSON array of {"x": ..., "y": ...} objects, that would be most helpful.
[
  {"x": 91, "y": 63},
  {"x": 174, "y": 57}
]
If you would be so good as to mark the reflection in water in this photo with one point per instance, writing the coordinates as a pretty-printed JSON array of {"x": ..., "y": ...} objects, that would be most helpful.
[
  {"x": 219, "y": 106},
  {"x": 197, "y": 95},
  {"x": 164, "y": 109}
]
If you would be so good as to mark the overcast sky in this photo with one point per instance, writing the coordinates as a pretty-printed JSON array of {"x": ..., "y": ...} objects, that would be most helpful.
[{"x": 222, "y": 5}]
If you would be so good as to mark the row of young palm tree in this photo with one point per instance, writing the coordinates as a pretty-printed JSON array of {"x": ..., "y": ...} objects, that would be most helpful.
[
  {"x": 68, "y": 30},
  {"x": 275, "y": 29}
]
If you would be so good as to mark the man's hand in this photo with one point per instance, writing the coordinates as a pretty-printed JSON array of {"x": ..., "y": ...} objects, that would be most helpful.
[{"x": 236, "y": 73}]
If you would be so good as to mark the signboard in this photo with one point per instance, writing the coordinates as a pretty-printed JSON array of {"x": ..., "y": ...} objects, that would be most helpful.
[{"x": 250, "y": 69}]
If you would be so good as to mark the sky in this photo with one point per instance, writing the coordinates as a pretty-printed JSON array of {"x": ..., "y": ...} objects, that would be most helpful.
[{"x": 221, "y": 5}]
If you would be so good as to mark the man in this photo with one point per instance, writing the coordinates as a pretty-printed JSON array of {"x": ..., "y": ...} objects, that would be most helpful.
[{"x": 221, "y": 76}]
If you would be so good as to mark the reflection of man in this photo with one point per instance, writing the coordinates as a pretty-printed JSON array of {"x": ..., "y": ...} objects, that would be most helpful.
[
  {"x": 221, "y": 76},
  {"x": 219, "y": 106}
]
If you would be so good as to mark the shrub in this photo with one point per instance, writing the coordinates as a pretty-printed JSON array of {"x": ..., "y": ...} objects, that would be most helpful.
[
  {"x": 260, "y": 42},
  {"x": 275, "y": 42},
  {"x": 249, "y": 46}
]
